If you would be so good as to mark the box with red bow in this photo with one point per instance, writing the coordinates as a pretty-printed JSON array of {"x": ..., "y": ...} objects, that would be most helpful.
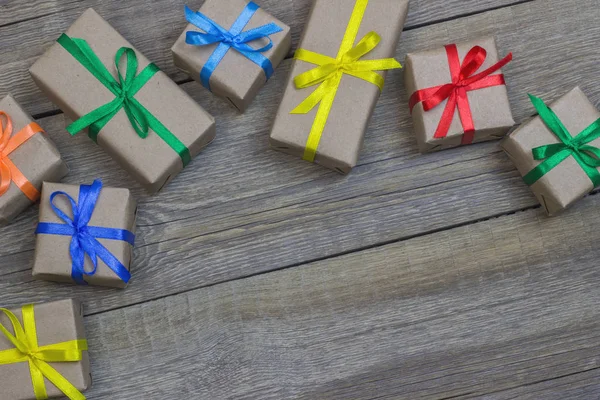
[
  {"x": 458, "y": 95},
  {"x": 27, "y": 158}
]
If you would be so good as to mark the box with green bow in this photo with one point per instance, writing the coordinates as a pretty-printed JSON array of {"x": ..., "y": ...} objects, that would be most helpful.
[
  {"x": 135, "y": 112},
  {"x": 558, "y": 151}
]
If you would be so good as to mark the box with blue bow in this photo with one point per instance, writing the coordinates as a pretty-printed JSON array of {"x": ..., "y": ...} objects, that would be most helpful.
[
  {"x": 85, "y": 235},
  {"x": 232, "y": 48}
]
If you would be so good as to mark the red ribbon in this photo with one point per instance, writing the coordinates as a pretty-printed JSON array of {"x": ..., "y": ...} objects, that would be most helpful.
[{"x": 463, "y": 81}]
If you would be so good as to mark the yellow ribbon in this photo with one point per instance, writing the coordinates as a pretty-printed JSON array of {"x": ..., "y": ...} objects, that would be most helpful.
[
  {"x": 27, "y": 350},
  {"x": 329, "y": 74}
]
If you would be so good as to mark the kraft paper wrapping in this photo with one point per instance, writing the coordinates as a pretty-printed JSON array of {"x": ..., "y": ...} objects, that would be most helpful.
[
  {"x": 38, "y": 159},
  {"x": 342, "y": 139},
  {"x": 236, "y": 79},
  {"x": 56, "y": 322},
  {"x": 77, "y": 92},
  {"x": 567, "y": 183},
  {"x": 116, "y": 208},
  {"x": 490, "y": 106}
]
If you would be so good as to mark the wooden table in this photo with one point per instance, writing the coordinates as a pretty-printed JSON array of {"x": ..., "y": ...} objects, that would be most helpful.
[{"x": 260, "y": 276}]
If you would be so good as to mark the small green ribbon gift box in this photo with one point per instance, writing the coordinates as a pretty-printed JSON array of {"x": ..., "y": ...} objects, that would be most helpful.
[
  {"x": 558, "y": 151},
  {"x": 134, "y": 111}
]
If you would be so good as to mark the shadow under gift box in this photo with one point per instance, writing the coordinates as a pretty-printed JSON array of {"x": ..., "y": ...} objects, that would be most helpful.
[
  {"x": 236, "y": 79},
  {"x": 342, "y": 139},
  {"x": 56, "y": 322},
  {"x": 37, "y": 159},
  {"x": 490, "y": 106},
  {"x": 567, "y": 182},
  {"x": 68, "y": 84},
  {"x": 116, "y": 208}
]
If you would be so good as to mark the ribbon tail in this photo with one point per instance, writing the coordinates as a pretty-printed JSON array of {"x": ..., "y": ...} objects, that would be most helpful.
[
  {"x": 109, "y": 109},
  {"x": 447, "y": 117},
  {"x": 369, "y": 76},
  {"x": 316, "y": 132},
  {"x": 548, "y": 165},
  {"x": 20, "y": 180},
  {"x": 5, "y": 176},
  {"x": 166, "y": 135},
  {"x": 58, "y": 380},
  {"x": 37, "y": 380},
  {"x": 260, "y": 60},
  {"x": 112, "y": 262},
  {"x": 313, "y": 100}
]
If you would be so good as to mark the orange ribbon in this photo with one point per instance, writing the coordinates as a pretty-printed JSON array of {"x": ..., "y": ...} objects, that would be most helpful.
[{"x": 8, "y": 170}]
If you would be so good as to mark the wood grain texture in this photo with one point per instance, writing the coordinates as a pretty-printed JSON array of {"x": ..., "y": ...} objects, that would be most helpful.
[
  {"x": 501, "y": 307},
  {"x": 241, "y": 209},
  {"x": 151, "y": 26}
]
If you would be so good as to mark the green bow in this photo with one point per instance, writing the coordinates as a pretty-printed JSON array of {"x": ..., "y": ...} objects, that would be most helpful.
[
  {"x": 587, "y": 156},
  {"x": 125, "y": 89}
]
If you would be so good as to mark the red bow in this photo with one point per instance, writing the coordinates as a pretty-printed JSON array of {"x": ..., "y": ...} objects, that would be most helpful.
[{"x": 463, "y": 81}]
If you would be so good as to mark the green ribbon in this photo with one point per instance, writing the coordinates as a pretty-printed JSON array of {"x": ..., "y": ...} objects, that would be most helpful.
[
  {"x": 577, "y": 147},
  {"x": 125, "y": 89}
]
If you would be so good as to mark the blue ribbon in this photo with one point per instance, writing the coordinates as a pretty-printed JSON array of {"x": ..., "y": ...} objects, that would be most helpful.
[
  {"x": 227, "y": 39},
  {"x": 84, "y": 238}
]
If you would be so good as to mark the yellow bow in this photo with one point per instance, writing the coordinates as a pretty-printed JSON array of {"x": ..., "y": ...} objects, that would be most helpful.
[
  {"x": 27, "y": 350},
  {"x": 330, "y": 71}
]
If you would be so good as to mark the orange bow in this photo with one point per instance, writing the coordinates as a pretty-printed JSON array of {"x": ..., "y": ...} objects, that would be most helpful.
[{"x": 8, "y": 171}]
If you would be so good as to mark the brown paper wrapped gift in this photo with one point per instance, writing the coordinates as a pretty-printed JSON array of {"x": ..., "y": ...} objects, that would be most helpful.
[
  {"x": 37, "y": 159},
  {"x": 491, "y": 114},
  {"x": 77, "y": 92},
  {"x": 55, "y": 322},
  {"x": 567, "y": 182},
  {"x": 115, "y": 208},
  {"x": 341, "y": 141},
  {"x": 236, "y": 78}
]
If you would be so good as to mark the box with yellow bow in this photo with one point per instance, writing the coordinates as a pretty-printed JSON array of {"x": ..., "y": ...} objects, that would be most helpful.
[
  {"x": 336, "y": 79},
  {"x": 43, "y": 352}
]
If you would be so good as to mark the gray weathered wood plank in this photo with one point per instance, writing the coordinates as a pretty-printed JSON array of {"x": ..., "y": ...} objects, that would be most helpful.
[
  {"x": 580, "y": 386},
  {"x": 503, "y": 305},
  {"x": 151, "y": 26},
  {"x": 241, "y": 209}
]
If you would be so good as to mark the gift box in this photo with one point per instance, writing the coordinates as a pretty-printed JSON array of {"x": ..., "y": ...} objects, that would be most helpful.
[
  {"x": 147, "y": 123},
  {"x": 27, "y": 158},
  {"x": 458, "y": 95},
  {"x": 33, "y": 334},
  {"x": 328, "y": 101},
  {"x": 85, "y": 235},
  {"x": 232, "y": 48},
  {"x": 558, "y": 152}
]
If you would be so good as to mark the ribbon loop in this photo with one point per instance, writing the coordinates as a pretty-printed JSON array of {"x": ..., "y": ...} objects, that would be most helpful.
[
  {"x": 329, "y": 72},
  {"x": 9, "y": 173},
  {"x": 27, "y": 350},
  {"x": 84, "y": 238},
  {"x": 464, "y": 78},
  {"x": 552, "y": 155},
  {"x": 228, "y": 39},
  {"x": 124, "y": 90}
]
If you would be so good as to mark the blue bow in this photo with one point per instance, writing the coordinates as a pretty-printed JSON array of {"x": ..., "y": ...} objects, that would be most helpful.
[
  {"x": 234, "y": 38},
  {"x": 84, "y": 238}
]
